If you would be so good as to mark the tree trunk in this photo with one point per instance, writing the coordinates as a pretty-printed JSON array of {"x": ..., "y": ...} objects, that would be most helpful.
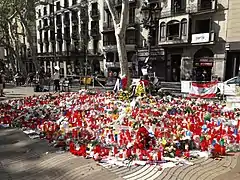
[
  {"x": 30, "y": 37},
  {"x": 120, "y": 26},
  {"x": 122, "y": 54}
]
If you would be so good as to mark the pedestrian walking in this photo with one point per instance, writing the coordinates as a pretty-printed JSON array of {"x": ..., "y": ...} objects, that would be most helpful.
[
  {"x": 56, "y": 79},
  {"x": 1, "y": 85}
]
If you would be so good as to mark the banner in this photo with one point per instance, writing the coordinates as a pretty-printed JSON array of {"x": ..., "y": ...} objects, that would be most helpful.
[{"x": 203, "y": 89}]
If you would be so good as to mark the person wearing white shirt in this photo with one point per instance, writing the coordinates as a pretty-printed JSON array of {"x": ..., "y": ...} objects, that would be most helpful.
[{"x": 56, "y": 79}]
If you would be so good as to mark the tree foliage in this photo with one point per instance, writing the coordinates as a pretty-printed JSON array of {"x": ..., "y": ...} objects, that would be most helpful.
[{"x": 17, "y": 23}]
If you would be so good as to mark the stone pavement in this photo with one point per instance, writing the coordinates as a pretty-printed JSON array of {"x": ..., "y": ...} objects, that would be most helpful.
[
  {"x": 24, "y": 159},
  {"x": 13, "y": 92}
]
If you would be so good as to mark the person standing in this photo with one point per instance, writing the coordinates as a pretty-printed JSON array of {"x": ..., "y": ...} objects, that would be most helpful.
[
  {"x": 56, "y": 79},
  {"x": 1, "y": 85}
]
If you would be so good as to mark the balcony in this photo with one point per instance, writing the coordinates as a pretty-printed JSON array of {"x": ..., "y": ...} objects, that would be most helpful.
[
  {"x": 204, "y": 7},
  {"x": 95, "y": 14},
  {"x": 75, "y": 36},
  {"x": 109, "y": 43},
  {"x": 203, "y": 38}
]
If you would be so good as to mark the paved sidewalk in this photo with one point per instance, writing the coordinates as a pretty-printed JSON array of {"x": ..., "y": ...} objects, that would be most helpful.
[
  {"x": 18, "y": 92},
  {"x": 24, "y": 159}
]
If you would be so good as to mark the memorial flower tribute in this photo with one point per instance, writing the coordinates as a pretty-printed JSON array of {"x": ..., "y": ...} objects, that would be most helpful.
[{"x": 107, "y": 125}]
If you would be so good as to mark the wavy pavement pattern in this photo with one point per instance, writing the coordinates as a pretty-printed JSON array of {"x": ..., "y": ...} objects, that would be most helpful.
[
  {"x": 32, "y": 163},
  {"x": 53, "y": 167},
  {"x": 203, "y": 169}
]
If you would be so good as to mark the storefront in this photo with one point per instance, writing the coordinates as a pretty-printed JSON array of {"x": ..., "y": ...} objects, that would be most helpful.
[
  {"x": 157, "y": 60},
  {"x": 203, "y": 64}
]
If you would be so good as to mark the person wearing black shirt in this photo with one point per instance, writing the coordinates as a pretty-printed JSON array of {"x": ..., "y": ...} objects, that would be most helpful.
[{"x": 1, "y": 85}]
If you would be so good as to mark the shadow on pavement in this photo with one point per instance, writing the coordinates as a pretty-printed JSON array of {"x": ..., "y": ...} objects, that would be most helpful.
[{"x": 20, "y": 156}]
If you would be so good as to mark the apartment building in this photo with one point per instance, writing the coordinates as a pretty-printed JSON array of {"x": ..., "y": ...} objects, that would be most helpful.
[
  {"x": 192, "y": 34},
  {"x": 68, "y": 36},
  {"x": 233, "y": 39},
  {"x": 109, "y": 46}
]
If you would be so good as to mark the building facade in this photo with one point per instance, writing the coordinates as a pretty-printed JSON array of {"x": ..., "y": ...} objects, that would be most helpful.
[
  {"x": 68, "y": 36},
  {"x": 233, "y": 40},
  {"x": 109, "y": 45},
  {"x": 193, "y": 35},
  {"x": 189, "y": 39}
]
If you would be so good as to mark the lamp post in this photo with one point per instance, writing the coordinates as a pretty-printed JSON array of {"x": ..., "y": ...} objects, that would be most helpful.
[{"x": 151, "y": 14}]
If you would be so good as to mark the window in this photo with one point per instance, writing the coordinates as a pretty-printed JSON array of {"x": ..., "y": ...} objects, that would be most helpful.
[
  {"x": 60, "y": 47},
  {"x": 94, "y": 6},
  {"x": 59, "y": 19},
  {"x": 179, "y": 6},
  {"x": 45, "y": 22},
  {"x": 59, "y": 34},
  {"x": 130, "y": 56},
  {"x": 203, "y": 26},
  {"x": 173, "y": 30},
  {"x": 39, "y": 13},
  {"x": 94, "y": 9},
  {"x": 51, "y": 8},
  {"x": 184, "y": 27},
  {"x": 58, "y": 6},
  {"x": 41, "y": 48},
  {"x": 51, "y": 21},
  {"x": 130, "y": 37},
  {"x": 40, "y": 23},
  {"x": 45, "y": 11},
  {"x": 131, "y": 15},
  {"x": 74, "y": 2},
  {"x": 66, "y": 3},
  {"x": 46, "y": 47},
  {"x": 95, "y": 46},
  {"x": 109, "y": 20},
  {"x": 162, "y": 31},
  {"x": 52, "y": 35}
]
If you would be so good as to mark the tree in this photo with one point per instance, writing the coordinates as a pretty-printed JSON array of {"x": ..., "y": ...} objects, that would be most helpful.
[
  {"x": 120, "y": 25},
  {"x": 18, "y": 15}
]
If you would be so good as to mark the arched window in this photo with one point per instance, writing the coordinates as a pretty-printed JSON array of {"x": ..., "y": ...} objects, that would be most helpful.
[
  {"x": 184, "y": 27},
  {"x": 173, "y": 30},
  {"x": 162, "y": 31}
]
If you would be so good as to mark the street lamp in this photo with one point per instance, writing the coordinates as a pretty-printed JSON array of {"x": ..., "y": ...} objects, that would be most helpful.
[{"x": 151, "y": 13}]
